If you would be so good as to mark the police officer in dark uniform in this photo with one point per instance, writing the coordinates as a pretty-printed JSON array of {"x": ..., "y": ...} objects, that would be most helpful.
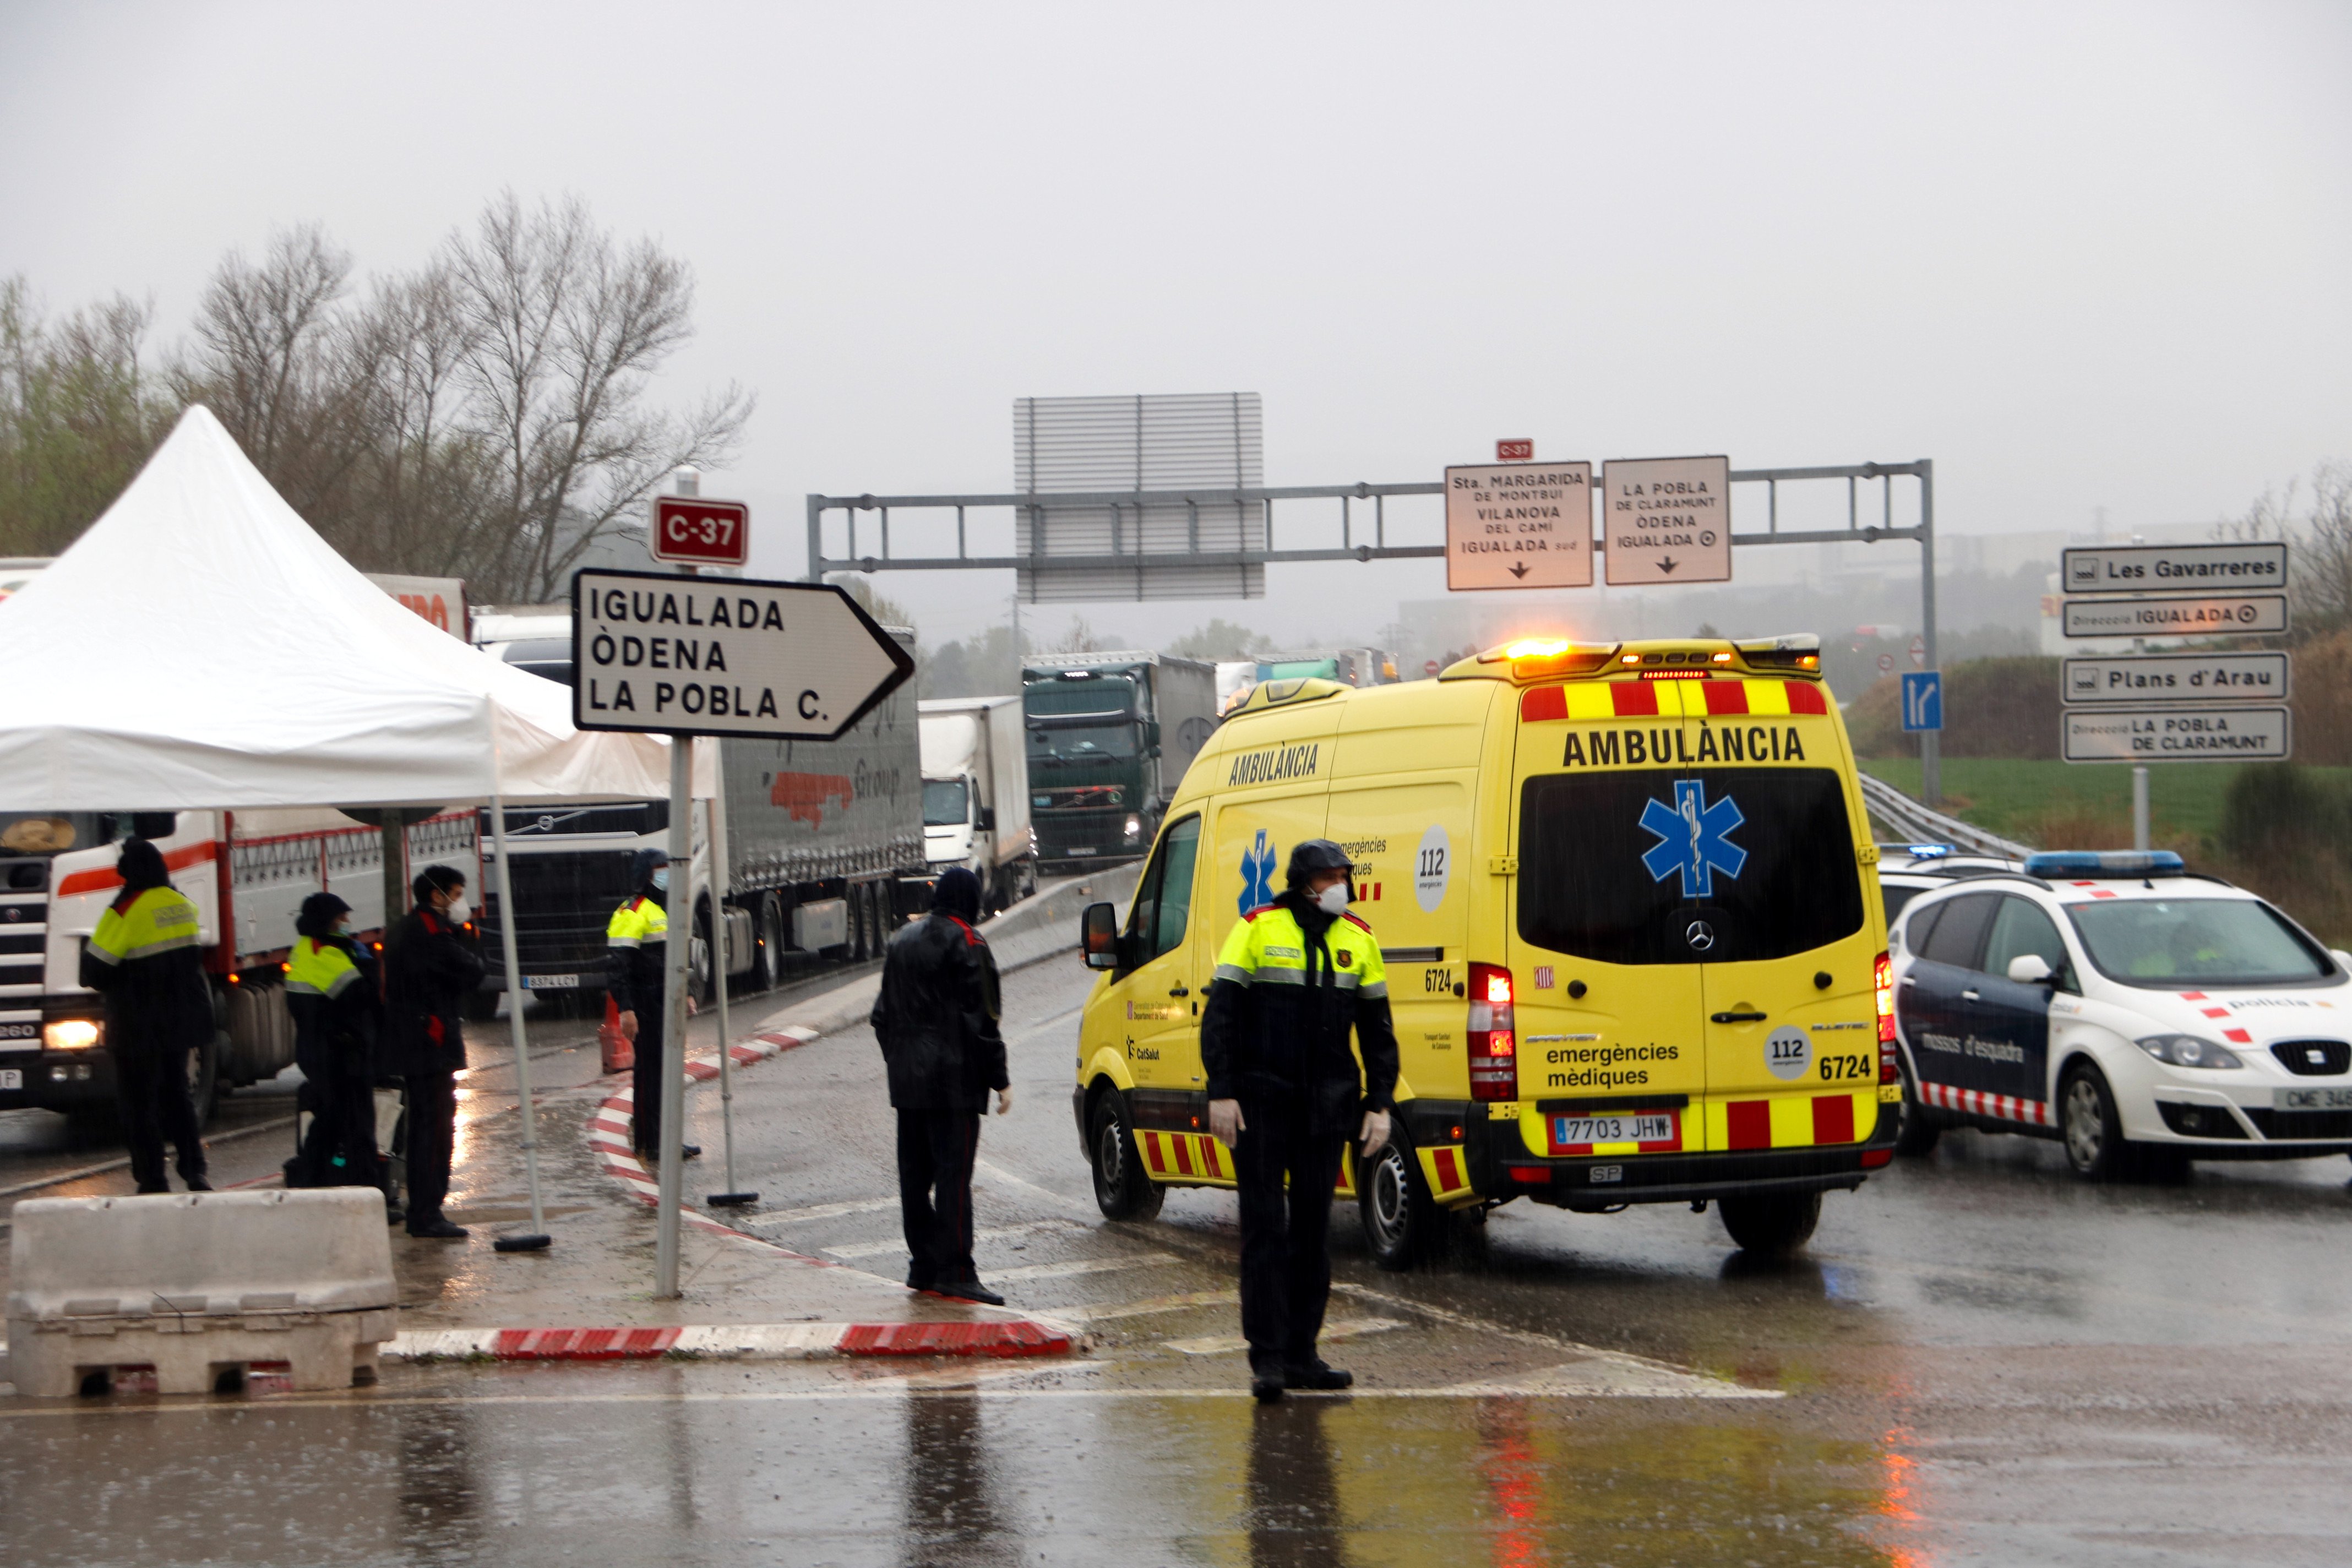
[
  {"x": 431, "y": 965},
  {"x": 636, "y": 975},
  {"x": 1284, "y": 1092},
  {"x": 144, "y": 959},
  {"x": 336, "y": 998},
  {"x": 936, "y": 1019}
]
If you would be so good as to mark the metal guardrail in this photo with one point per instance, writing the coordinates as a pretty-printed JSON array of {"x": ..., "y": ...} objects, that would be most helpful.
[{"x": 1912, "y": 822}]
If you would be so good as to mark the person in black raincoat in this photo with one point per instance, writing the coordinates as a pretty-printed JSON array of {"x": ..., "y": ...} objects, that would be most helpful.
[
  {"x": 144, "y": 959},
  {"x": 431, "y": 965},
  {"x": 335, "y": 996},
  {"x": 936, "y": 1020}
]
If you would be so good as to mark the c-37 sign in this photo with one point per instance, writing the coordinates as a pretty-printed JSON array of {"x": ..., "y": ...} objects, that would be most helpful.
[{"x": 709, "y": 656}]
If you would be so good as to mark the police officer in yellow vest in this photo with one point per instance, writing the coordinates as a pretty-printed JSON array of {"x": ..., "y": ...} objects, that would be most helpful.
[
  {"x": 333, "y": 991},
  {"x": 637, "y": 939},
  {"x": 1284, "y": 1092},
  {"x": 145, "y": 958}
]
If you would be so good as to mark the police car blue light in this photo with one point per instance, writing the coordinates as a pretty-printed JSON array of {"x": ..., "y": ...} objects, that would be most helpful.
[{"x": 2105, "y": 863}]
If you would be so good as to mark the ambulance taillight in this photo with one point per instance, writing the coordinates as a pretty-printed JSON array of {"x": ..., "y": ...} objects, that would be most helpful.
[
  {"x": 1884, "y": 977},
  {"x": 1494, "y": 1035}
]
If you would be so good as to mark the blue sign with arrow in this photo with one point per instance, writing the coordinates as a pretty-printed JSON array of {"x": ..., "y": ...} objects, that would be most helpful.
[{"x": 1923, "y": 701}]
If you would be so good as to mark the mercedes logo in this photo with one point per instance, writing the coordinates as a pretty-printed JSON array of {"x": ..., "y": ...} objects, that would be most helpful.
[
  {"x": 1700, "y": 935},
  {"x": 13, "y": 913}
]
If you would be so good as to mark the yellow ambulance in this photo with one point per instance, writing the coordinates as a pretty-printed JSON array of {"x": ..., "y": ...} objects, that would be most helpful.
[{"x": 1623, "y": 894}]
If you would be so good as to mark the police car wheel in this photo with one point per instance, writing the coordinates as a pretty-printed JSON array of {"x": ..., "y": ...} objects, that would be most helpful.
[
  {"x": 1122, "y": 1189},
  {"x": 1401, "y": 1219},
  {"x": 1770, "y": 1225},
  {"x": 2088, "y": 1125},
  {"x": 1915, "y": 1134}
]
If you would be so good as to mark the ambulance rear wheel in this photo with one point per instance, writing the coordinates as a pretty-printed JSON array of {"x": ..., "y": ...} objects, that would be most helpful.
[
  {"x": 1772, "y": 1225},
  {"x": 1122, "y": 1188},
  {"x": 1402, "y": 1221}
]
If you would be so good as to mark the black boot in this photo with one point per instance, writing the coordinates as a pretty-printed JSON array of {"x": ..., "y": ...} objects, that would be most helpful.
[{"x": 1313, "y": 1374}]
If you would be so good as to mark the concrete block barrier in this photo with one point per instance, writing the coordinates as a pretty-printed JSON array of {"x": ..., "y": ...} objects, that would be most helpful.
[
  {"x": 1046, "y": 922},
  {"x": 191, "y": 1293}
]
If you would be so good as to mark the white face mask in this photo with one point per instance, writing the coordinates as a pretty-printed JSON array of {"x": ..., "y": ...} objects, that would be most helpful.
[
  {"x": 459, "y": 912},
  {"x": 1333, "y": 900}
]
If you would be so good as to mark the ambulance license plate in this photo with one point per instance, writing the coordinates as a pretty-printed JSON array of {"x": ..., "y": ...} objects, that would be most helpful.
[
  {"x": 551, "y": 983},
  {"x": 12, "y": 1078},
  {"x": 2311, "y": 1098},
  {"x": 1620, "y": 1127}
]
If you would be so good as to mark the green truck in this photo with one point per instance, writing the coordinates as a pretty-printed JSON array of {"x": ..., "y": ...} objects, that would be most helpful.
[{"x": 1111, "y": 735}]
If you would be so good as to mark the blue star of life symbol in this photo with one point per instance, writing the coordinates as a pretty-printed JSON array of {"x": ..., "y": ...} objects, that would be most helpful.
[
  {"x": 1694, "y": 838},
  {"x": 1257, "y": 873}
]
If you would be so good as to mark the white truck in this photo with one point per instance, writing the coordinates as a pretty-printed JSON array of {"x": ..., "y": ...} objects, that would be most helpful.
[{"x": 976, "y": 796}]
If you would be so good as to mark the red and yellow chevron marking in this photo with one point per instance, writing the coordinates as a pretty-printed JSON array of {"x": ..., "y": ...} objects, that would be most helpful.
[
  {"x": 1188, "y": 1159},
  {"x": 1669, "y": 698},
  {"x": 1791, "y": 1121},
  {"x": 1442, "y": 1168}
]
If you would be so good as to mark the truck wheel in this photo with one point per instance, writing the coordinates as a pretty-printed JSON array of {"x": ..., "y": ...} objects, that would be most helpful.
[
  {"x": 771, "y": 943},
  {"x": 1123, "y": 1189},
  {"x": 203, "y": 1077},
  {"x": 1772, "y": 1225},
  {"x": 701, "y": 965},
  {"x": 1914, "y": 1132},
  {"x": 1402, "y": 1221}
]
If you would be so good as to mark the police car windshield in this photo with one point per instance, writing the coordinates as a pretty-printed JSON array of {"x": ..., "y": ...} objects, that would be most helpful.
[
  {"x": 1617, "y": 867},
  {"x": 2164, "y": 943},
  {"x": 943, "y": 803},
  {"x": 1083, "y": 741}
]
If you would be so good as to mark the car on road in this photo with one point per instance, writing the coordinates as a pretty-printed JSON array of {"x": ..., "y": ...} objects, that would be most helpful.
[
  {"x": 1629, "y": 937},
  {"x": 1907, "y": 870},
  {"x": 2139, "y": 1013}
]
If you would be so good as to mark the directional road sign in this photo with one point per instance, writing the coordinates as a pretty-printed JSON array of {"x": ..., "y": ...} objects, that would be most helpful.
[
  {"x": 1667, "y": 519},
  {"x": 2173, "y": 568},
  {"x": 721, "y": 655},
  {"x": 2151, "y": 616},
  {"x": 2175, "y": 677},
  {"x": 1518, "y": 525},
  {"x": 1515, "y": 451},
  {"x": 1923, "y": 701},
  {"x": 701, "y": 532},
  {"x": 2189, "y": 733}
]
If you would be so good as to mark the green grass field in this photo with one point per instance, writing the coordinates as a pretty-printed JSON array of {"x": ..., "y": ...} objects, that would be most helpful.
[{"x": 2018, "y": 799}]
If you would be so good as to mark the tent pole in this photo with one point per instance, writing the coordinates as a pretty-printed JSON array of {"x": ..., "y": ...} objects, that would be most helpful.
[
  {"x": 679, "y": 939},
  {"x": 719, "y": 867},
  {"x": 538, "y": 1239}
]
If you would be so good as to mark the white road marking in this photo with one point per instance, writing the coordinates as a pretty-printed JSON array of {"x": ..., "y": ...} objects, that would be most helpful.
[
  {"x": 999, "y": 1176},
  {"x": 997, "y": 1233},
  {"x": 820, "y": 1211},
  {"x": 1083, "y": 1266},
  {"x": 1343, "y": 1328},
  {"x": 1111, "y": 1310}
]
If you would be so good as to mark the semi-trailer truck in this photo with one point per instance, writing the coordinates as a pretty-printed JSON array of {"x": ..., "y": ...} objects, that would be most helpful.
[
  {"x": 976, "y": 796},
  {"x": 1111, "y": 735}
]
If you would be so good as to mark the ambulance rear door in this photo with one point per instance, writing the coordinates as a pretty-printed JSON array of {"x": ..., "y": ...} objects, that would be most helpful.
[
  {"x": 1607, "y": 982},
  {"x": 1764, "y": 836}
]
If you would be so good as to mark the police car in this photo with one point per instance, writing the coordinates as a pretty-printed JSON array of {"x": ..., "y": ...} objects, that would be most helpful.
[{"x": 2141, "y": 1014}]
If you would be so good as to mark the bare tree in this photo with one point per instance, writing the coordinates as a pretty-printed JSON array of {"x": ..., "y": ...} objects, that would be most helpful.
[
  {"x": 2320, "y": 581},
  {"x": 564, "y": 328}
]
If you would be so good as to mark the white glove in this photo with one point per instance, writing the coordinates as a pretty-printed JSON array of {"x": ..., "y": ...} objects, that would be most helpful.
[
  {"x": 1004, "y": 1100},
  {"x": 1225, "y": 1123},
  {"x": 1375, "y": 1135}
]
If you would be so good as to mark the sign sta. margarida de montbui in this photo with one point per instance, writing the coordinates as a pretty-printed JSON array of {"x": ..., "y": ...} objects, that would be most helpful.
[{"x": 719, "y": 656}]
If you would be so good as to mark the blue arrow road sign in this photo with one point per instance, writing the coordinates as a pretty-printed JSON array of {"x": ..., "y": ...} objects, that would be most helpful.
[{"x": 1923, "y": 699}]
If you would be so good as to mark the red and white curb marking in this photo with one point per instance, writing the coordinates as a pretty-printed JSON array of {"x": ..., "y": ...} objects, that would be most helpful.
[
  {"x": 2007, "y": 1107},
  {"x": 740, "y": 1341}
]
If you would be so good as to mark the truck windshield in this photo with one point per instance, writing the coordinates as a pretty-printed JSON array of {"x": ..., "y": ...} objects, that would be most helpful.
[
  {"x": 55, "y": 832},
  {"x": 2160, "y": 942},
  {"x": 944, "y": 803},
  {"x": 550, "y": 659},
  {"x": 1616, "y": 867},
  {"x": 1082, "y": 740}
]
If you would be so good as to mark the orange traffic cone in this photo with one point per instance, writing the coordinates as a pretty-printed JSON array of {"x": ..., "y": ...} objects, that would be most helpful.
[{"x": 619, "y": 1055}]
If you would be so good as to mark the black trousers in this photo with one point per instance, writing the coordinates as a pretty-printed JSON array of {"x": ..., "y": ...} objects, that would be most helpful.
[
  {"x": 342, "y": 1102},
  {"x": 432, "y": 1134},
  {"x": 645, "y": 1077},
  {"x": 935, "y": 1150},
  {"x": 1286, "y": 1270},
  {"x": 151, "y": 1090}
]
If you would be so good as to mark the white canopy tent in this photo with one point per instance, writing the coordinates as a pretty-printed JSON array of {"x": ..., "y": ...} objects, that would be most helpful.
[{"x": 200, "y": 647}]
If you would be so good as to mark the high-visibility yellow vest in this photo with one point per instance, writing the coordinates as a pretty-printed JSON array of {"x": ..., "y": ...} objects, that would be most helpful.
[
  {"x": 636, "y": 922},
  {"x": 1267, "y": 947},
  {"x": 158, "y": 920},
  {"x": 318, "y": 968}
]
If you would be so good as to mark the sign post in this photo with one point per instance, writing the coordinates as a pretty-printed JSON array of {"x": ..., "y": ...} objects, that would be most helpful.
[{"x": 685, "y": 657}]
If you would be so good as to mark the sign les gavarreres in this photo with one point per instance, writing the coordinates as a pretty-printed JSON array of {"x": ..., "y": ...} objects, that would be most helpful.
[{"x": 715, "y": 655}]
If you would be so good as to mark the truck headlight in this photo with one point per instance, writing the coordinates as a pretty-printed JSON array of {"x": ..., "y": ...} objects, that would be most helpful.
[
  {"x": 2189, "y": 1051},
  {"x": 1134, "y": 827},
  {"x": 70, "y": 1035}
]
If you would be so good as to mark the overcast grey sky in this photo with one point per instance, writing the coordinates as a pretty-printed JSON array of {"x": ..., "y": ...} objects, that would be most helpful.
[{"x": 2081, "y": 255}]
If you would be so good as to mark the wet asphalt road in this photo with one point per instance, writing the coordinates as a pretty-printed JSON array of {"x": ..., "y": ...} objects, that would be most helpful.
[{"x": 1978, "y": 1361}]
